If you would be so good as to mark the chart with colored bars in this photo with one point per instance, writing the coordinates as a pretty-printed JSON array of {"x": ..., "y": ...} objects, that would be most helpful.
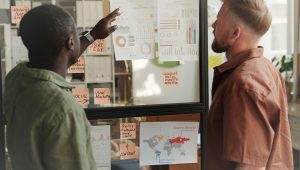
[
  {"x": 169, "y": 24},
  {"x": 191, "y": 32},
  {"x": 178, "y": 30},
  {"x": 169, "y": 50},
  {"x": 134, "y": 38}
]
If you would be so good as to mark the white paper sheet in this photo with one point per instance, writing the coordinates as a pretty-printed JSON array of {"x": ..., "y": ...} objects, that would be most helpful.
[
  {"x": 100, "y": 138},
  {"x": 178, "y": 30},
  {"x": 168, "y": 142},
  {"x": 134, "y": 38},
  {"x": 19, "y": 51},
  {"x": 88, "y": 13}
]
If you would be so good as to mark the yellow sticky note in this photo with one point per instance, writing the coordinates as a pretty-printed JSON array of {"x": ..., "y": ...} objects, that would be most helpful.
[
  {"x": 81, "y": 95},
  {"x": 128, "y": 130},
  {"x": 128, "y": 151},
  {"x": 214, "y": 61}
]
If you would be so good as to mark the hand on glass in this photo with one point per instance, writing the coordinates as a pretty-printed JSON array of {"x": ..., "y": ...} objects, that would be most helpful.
[{"x": 104, "y": 27}]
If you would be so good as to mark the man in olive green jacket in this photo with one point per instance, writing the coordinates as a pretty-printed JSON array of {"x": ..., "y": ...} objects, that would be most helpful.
[{"x": 46, "y": 128}]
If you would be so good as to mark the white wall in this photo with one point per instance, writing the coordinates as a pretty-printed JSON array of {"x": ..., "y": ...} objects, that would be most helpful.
[{"x": 4, "y": 4}]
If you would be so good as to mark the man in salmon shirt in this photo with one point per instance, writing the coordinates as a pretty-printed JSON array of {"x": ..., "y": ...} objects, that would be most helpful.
[{"x": 247, "y": 127}]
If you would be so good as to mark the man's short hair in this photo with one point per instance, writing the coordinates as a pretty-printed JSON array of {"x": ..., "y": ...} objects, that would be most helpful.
[
  {"x": 254, "y": 13},
  {"x": 45, "y": 29}
]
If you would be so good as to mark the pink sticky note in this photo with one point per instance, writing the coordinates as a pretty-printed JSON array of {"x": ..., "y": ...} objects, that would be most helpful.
[
  {"x": 77, "y": 67},
  {"x": 17, "y": 12},
  {"x": 128, "y": 151},
  {"x": 96, "y": 47},
  {"x": 101, "y": 95},
  {"x": 170, "y": 78},
  {"x": 127, "y": 130},
  {"x": 81, "y": 95}
]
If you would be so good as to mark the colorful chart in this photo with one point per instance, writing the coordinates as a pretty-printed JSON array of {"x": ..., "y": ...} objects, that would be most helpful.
[
  {"x": 121, "y": 41},
  {"x": 191, "y": 32},
  {"x": 146, "y": 48},
  {"x": 178, "y": 30},
  {"x": 169, "y": 24},
  {"x": 136, "y": 27},
  {"x": 168, "y": 142}
]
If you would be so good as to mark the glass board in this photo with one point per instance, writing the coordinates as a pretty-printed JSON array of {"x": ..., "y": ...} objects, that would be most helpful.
[{"x": 152, "y": 58}]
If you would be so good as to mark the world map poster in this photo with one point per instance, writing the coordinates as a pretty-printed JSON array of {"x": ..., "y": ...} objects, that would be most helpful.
[{"x": 168, "y": 142}]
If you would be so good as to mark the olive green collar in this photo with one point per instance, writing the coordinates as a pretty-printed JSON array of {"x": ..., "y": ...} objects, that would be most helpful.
[{"x": 43, "y": 74}]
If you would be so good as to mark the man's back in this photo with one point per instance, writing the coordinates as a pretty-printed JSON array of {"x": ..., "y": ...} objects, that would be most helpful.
[{"x": 46, "y": 129}]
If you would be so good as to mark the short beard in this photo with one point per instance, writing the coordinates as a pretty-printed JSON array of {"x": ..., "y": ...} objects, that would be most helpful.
[{"x": 216, "y": 47}]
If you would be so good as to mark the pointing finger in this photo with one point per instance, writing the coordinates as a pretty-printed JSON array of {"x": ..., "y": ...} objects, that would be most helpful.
[{"x": 113, "y": 14}]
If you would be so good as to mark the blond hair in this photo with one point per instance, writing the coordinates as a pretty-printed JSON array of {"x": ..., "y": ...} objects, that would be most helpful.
[{"x": 254, "y": 13}]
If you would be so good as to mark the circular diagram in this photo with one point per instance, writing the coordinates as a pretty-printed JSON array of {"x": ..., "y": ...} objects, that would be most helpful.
[
  {"x": 146, "y": 48},
  {"x": 121, "y": 41}
]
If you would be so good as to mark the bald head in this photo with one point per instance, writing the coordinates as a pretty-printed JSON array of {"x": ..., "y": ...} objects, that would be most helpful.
[{"x": 45, "y": 30}]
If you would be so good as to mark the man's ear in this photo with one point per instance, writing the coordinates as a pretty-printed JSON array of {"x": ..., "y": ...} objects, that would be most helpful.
[
  {"x": 70, "y": 43},
  {"x": 236, "y": 33}
]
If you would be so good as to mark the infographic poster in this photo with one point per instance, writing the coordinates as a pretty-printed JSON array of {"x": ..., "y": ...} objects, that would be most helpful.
[
  {"x": 134, "y": 38},
  {"x": 168, "y": 142},
  {"x": 100, "y": 139},
  {"x": 178, "y": 30}
]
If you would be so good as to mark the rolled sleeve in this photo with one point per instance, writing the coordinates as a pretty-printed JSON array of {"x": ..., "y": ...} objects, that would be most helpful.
[{"x": 248, "y": 135}]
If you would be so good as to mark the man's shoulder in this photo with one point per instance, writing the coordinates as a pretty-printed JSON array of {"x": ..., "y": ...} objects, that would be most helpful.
[
  {"x": 257, "y": 76},
  {"x": 14, "y": 73}
]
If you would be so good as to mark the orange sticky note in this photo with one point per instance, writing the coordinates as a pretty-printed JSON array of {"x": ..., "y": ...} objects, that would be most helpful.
[
  {"x": 101, "y": 95},
  {"x": 77, "y": 67},
  {"x": 127, "y": 130},
  {"x": 128, "y": 151},
  {"x": 17, "y": 13},
  {"x": 97, "y": 46},
  {"x": 170, "y": 78},
  {"x": 81, "y": 95}
]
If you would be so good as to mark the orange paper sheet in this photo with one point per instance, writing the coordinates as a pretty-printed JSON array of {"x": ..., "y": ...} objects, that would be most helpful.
[
  {"x": 170, "y": 78},
  {"x": 17, "y": 12},
  {"x": 128, "y": 130},
  {"x": 77, "y": 67},
  {"x": 102, "y": 96},
  {"x": 128, "y": 151},
  {"x": 81, "y": 95},
  {"x": 97, "y": 47}
]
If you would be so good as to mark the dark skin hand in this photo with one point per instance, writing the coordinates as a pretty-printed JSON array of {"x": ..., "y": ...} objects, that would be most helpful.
[{"x": 101, "y": 30}]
